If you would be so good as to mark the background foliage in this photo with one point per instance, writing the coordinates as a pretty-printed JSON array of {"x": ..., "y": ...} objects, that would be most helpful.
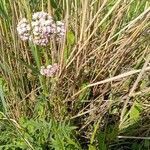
[{"x": 100, "y": 96}]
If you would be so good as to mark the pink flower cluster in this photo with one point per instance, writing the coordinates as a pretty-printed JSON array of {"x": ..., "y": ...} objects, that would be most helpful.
[
  {"x": 60, "y": 29},
  {"x": 50, "y": 70},
  {"x": 23, "y": 29},
  {"x": 43, "y": 27}
]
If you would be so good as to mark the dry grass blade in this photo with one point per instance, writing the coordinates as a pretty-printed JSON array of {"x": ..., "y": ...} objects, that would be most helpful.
[
  {"x": 89, "y": 37},
  {"x": 123, "y": 116},
  {"x": 133, "y": 137},
  {"x": 112, "y": 79}
]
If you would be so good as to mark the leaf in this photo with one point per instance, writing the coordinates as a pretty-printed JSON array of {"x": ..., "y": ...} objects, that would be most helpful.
[
  {"x": 135, "y": 112},
  {"x": 70, "y": 38},
  {"x": 58, "y": 9},
  {"x": 91, "y": 147},
  {"x": 66, "y": 54},
  {"x": 1, "y": 115},
  {"x": 101, "y": 137},
  {"x": 2, "y": 97},
  {"x": 3, "y": 10},
  {"x": 53, "y": 3}
]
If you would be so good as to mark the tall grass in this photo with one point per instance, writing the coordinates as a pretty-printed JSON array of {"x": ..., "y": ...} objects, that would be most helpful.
[{"x": 102, "y": 87}]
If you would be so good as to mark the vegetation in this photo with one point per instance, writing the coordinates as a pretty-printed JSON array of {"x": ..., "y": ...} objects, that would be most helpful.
[{"x": 99, "y": 98}]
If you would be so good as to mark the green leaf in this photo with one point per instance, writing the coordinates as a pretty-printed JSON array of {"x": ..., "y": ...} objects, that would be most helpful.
[
  {"x": 58, "y": 9},
  {"x": 2, "y": 97},
  {"x": 65, "y": 54},
  {"x": 91, "y": 147},
  {"x": 3, "y": 10},
  {"x": 53, "y": 3},
  {"x": 101, "y": 137},
  {"x": 70, "y": 38},
  {"x": 135, "y": 112}
]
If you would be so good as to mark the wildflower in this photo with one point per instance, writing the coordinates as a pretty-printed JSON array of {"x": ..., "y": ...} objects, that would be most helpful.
[
  {"x": 23, "y": 29},
  {"x": 42, "y": 29},
  {"x": 39, "y": 15},
  {"x": 43, "y": 41},
  {"x": 60, "y": 30},
  {"x": 49, "y": 71},
  {"x": 42, "y": 70}
]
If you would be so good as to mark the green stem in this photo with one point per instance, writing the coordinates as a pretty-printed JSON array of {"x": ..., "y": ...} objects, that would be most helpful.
[{"x": 36, "y": 55}]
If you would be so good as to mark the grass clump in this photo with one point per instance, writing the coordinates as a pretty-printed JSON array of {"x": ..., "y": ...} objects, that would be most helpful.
[{"x": 101, "y": 88}]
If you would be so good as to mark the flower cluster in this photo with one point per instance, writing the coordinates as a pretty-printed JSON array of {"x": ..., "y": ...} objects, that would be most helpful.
[
  {"x": 23, "y": 29},
  {"x": 43, "y": 27},
  {"x": 60, "y": 28},
  {"x": 50, "y": 70}
]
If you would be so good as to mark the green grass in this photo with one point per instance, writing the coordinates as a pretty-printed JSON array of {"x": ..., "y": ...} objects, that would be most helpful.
[{"x": 100, "y": 97}]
